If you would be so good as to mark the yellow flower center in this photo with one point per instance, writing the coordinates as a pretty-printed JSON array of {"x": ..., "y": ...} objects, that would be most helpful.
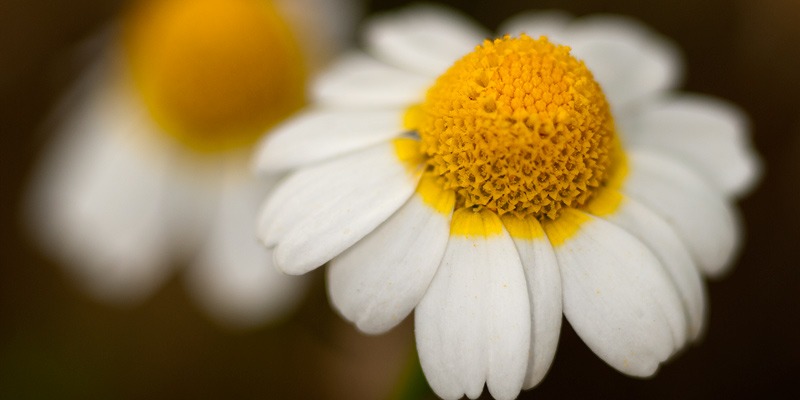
[
  {"x": 214, "y": 74},
  {"x": 517, "y": 126}
]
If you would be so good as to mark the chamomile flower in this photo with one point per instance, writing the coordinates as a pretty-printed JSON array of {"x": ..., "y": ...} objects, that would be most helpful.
[
  {"x": 151, "y": 163},
  {"x": 491, "y": 185}
]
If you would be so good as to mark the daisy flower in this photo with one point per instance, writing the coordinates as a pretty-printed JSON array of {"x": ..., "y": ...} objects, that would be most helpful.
[
  {"x": 150, "y": 164},
  {"x": 491, "y": 185}
]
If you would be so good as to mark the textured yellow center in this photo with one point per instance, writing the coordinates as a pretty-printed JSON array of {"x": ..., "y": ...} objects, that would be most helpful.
[
  {"x": 214, "y": 73},
  {"x": 517, "y": 126}
]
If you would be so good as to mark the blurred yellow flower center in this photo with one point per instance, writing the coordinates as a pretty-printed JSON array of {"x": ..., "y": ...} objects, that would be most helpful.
[
  {"x": 517, "y": 126},
  {"x": 214, "y": 74}
]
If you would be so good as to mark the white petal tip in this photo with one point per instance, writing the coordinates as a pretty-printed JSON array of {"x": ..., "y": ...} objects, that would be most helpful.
[
  {"x": 290, "y": 268},
  {"x": 647, "y": 370}
]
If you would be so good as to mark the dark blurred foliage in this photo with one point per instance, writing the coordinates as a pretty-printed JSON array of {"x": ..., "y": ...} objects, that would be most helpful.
[{"x": 57, "y": 343}]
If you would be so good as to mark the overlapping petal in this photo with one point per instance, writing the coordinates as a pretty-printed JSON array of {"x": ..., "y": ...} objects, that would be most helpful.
[
  {"x": 320, "y": 211},
  {"x": 318, "y": 135},
  {"x": 706, "y": 133},
  {"x": 671, "y": 252},
  {"x": 702, "y": 217},
  {"x": 544, "y": 293},
  {"x": 473, "y": 325},
  {"x": 617, "y": 296},
  {"x": 629, "y": 60},
  {"x": 425, "y": 38},
  {"x": 378, "y": 282},
  {"x": 358, "y": 80}
]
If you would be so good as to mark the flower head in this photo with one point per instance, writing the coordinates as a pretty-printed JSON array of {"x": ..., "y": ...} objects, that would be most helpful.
[
  {"x": 490, "y": 185},
  {"x": 150, "y": 164},
  {"x": 214, "y": 73}
]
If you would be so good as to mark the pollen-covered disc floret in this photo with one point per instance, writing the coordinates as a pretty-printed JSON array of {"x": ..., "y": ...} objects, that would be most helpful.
[{"x": 518, "y": 126}]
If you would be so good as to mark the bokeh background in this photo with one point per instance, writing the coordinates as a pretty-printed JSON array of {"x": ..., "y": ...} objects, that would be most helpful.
[{"x": 57, "y": 343}]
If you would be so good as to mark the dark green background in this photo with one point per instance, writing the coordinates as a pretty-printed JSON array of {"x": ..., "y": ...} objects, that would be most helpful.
[{"x": 57, "y": 343}]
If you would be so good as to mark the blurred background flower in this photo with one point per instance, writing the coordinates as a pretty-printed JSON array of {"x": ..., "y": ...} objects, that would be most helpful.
[
  {"x": 54, "y": 341},
  {"x": 149, "y": 165}
]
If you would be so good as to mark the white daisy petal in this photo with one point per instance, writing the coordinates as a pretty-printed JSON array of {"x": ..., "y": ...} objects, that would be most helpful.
[
  {"x": 617, "y": 297},
  {"x": 99, "y": 202},
  {"x": 537, "y": 23},
  {"x": 307, "y": 189},
  {"x": 191, "y": 201},
  {"x": 317, "y": 135},
  {"x": 674, "y": 256},
  {"x": 234, "y": 277},
  {"x": 377, "y": 282},
  {"x": 544, "y": 291},
  {"x": 473, "y": 325},
  {"x": 425, "y": 38},
  {"x": 326, "y": 208},
  {"x": 245, "y": 294},
  {"x": 700, "y": 215},
  {"x": 629, "y": 60},
  {"x": 707, "y": 133},
  {"x": 278, "y": 214},
  {"x": 358, "y": 80}
]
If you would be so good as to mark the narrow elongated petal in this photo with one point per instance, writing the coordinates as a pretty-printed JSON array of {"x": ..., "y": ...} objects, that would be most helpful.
[
  {"x": 281, "y": 211},
  {"x": 473, "y": 325},
  {"x": 98, "y": 201},
  {"x": 378, "y": 282},
  {"x": 617, "y": 297},
  {"x": 359, "y": 80},
  {"x": 426, "y": 39},
  {"x": 320, "y": 211},
  {"x": 629, "y": 60},
  {"x": 706, "y": 133},
  {"x": 320, "y": 134},
  {"x": 544, "y": 291},
  {"x": 666, "y": 245},
  {"x": 234, "y": 277},
  {"x": 705, "y": 221}
]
